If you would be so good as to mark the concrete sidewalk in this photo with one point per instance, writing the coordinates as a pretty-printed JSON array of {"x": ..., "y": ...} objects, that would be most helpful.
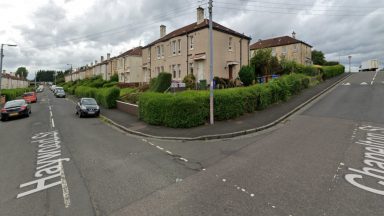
[{"x": 245, "y": 124}]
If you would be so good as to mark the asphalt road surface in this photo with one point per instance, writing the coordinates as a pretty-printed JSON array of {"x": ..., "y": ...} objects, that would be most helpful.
[{"x": 326, "y": 160}]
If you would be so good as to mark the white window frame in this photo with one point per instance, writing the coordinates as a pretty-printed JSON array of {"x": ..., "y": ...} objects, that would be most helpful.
[
  {"x": 191, "y": 42},
  {"x": 158, "y": 52},
  {"x": 295, "y": 47},
  {"x": 179, "y": 70},
  {"x": 162, "y": 50},
  {"x": 191, "y": 68},
  {"x": 179, "y": 46},
  {"x": 273, "y": 51},
  {"x": 284, "y": 50},
  {"x": 174, "y": 71},
  {"x": 173, "y": 47}
]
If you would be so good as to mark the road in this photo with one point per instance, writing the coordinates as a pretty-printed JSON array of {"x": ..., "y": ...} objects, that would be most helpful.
[{"x": 325, "y": 160}]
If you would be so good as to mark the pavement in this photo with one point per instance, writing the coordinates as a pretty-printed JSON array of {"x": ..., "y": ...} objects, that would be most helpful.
[{"x": 245, "y": 124}]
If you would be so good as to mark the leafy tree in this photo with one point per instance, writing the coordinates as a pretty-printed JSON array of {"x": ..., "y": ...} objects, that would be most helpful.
[
  {"x": 190, "y": 81},
  {"x": 331, "y": 63},
  {"x": 261, "y": 62},
  {"x": 247, "y": 75},
  {"x": 22, "y": 72},
  {"x": 318, "y": 57}
]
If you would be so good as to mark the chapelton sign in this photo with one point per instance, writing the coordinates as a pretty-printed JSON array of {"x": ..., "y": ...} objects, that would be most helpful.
[
  {"x": 373, "y": 162},
  {"x": 49, "y": 167}
]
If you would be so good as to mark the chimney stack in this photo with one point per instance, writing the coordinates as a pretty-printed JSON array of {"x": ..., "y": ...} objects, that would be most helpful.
[
  {"x": 101, "y": 59},
  {"x": 200, "y": 15},
  {"x": 108, "y": 56},
  {"x": 294, "y": 34},
  {"x": 95, "y": 62},
  {"x": 163, "y": 31}
]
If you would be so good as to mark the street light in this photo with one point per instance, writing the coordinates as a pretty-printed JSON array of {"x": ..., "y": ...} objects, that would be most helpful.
[
  {"x": 349, "y": 57},
  {"x": 1, "y": 61},
  {"x": 70, "y": 71}
]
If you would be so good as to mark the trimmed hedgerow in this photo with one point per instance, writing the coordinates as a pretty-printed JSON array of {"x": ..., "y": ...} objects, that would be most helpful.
[
  {"x": 161, "y": 83},
  {"x": 106, "y": 97},
  {"x": 191, "y": 108},
  {"x": 11, "y": 94},
  {"x": 332, "y": 71}
]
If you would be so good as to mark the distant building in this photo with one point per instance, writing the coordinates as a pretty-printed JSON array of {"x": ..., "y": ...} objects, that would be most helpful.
[
  {"x": 186, "y": 51},
  {"x": 129, "y": 66},
  {"x": 12, "y": 81},
  {"x": 286, "y": 47}
]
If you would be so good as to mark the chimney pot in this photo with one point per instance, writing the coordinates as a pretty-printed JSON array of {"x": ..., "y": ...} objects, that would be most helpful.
[
  {"x": 200, "y": 15},
  {"x": 163, "y": 31},
  {"x": 294, "y": 34},
  {"x": 108, "y": 56}
]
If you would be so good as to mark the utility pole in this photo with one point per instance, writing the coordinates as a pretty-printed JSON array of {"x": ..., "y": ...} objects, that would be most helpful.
[
  {"x": 71, "y": 72},
  {"x": 349, "y": 57},
  {"x": 211, "y": 113},
  {"x": 1, "y": 62}
]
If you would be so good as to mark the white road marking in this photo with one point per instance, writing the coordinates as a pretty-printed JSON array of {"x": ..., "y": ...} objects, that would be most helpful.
[
  {"x": 363, "y": 83},
  {"x": 50, "y": 112},
  {"x": 64, "y": 187},
  {"x": 53, "y": 123},
  {"x": 169, "y": 152},
  {"x": 183, "y": 159},
  {"x": 159, "y": 147},
  {"x": 346, "y": 84}
]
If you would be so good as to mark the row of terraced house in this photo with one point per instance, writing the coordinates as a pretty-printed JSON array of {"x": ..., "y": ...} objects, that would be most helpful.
[
  {"x": 186, "y": 51},
  {"x": 12, "y": 81}
]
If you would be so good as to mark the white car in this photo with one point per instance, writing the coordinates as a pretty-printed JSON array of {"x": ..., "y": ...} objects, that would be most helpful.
[{"x": 53, "y": 87}]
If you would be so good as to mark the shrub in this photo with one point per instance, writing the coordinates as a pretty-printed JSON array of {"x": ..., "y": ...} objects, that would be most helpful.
[
  {"x": 331, "y": 71},
  {"x": 125, "y": 91},
  {"x": 11, "y": 94},
  {"x": 106, "y": 97},
  {"x": 228, "y": 104},
  {"x": 247, "y": 75},
  {"x": 114, "y": 78},
  {"x": 110, "y": 84},
  {"x": 162, "y": 82},
  {"x": 190, "y": 81}
]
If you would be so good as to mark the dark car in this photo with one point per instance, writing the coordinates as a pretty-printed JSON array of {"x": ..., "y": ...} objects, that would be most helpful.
[
  {"x": 15, "y": 108},
  {"x": 87, "y": 107},
  {"x": 60, "y": 93}
]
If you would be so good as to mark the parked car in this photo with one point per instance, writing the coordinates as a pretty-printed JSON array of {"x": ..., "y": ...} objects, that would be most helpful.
[
  {"x": 60, "y": 93},
  {"x": 53, "y": 87},
  {"x": 15, "y": 108},
  {"x": 87, "y": 107},
  {"x": 40, "y": 89},
  {"x": 30, "y": 97},
  {"x": 57, "y": 88}
]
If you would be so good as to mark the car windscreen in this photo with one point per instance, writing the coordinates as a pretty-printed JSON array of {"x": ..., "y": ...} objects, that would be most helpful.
[
  {"x": 60, "y": 90},
  {"x": 89, "y": 102},
  {"x": 17, "y": 103},
  {"x": 28, "y": 94}
]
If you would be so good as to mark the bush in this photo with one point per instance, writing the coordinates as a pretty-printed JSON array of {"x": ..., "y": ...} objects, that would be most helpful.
[
  {"x": 11, "y": 94},
  {"x": 106, "y": 97},
  {"x": 190, "y": 81},
  {"x": 110, "y": 84},
  {"x": 114, "y": 78},
  {"x": 332, "y": 71},
  {"x": 125, "y": 91},
  {"x": 191, "y": 108},
  {"x": 247, "y": 75},
  {"x": 161, "y": 83}
]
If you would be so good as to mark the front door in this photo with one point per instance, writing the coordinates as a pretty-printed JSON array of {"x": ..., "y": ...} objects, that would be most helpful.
[
  {"x": 230, "y": 71},
  {"x": 200, "y": 70}
]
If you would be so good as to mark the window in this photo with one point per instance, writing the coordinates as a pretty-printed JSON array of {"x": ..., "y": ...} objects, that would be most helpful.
[
  {"x": 162, "y": 68},
  {"x": 295, "y": 47},
  {"x": 149, "y": 53},
  {"x": 284, "y": 50},
  {"x": 191, "y": 42},
  {"x": 273, "y": 51},
  {"x": 179, "y": 46},
  {"x": 230, "y": 44},
  {"x": 158, "y": 52},
  {"x": 162, "y": 51},
  {"x": 174, "y": 71},
  {"x": 191, "y": 68},
  {"x": 179, "y": 70},
  {"x": 173, "y": 47}
]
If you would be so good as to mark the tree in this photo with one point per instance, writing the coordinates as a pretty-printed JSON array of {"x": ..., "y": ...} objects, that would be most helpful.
[
  {"x": 22, "y": 72},
  {"x": 261, "y": 62},
  {"x": 318, "y": 57},
  {"x": 247, "y": 75}
]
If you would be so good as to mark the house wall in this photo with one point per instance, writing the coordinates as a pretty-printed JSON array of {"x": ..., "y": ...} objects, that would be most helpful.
[{"x": 12, "y": 83}]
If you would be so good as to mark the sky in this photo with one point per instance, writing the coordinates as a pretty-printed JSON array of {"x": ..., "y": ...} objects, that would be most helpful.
[{"x": 51, "y": 34}]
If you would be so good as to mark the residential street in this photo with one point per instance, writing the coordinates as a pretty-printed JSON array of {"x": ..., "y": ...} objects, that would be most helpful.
[{"x": 303, "y": 166}]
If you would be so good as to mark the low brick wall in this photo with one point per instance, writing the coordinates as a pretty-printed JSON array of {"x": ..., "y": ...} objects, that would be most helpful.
[{"x": 132, "y": 109}]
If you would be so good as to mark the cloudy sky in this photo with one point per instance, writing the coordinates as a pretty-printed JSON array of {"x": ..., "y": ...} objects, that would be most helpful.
[{"x": 53, "y": 33}]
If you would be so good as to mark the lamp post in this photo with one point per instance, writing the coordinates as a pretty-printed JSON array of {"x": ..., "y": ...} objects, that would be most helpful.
[
  {"x": 70, "y": 71},
  {"x": 211, "y": 100},
  {"x": 1, "y": 61},
  {"x": 349, "y": 57}
]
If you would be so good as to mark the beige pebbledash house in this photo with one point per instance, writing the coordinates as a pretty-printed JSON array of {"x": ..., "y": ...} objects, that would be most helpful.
[
  {"x": 286, "y": 47},
  {"x": 186, "y": 51},
  {"x": 129, "y": 66}
]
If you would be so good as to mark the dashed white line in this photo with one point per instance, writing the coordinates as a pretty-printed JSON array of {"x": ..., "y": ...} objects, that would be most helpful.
[
  {"x": 169, "y": 152},
  {"x": 64, "y": 186},
  {"x": 53, "y": 123},
  {"x": 183, "y": 159},
  {"x": 159, "y": 147}
]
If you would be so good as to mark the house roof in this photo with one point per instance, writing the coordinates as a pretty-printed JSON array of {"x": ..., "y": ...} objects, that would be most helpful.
[
  {"x": 137, "y": 51},
  {"x": 275, "y": 42},
  {"x": 195, "y": 27},
  {"x": 9, "y": 76}
]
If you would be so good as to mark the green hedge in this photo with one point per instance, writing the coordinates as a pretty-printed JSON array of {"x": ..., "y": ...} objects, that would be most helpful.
[
  {"x": 161, "y": 83},
  {"x": 332, "y": 71},
  {"x": 106, "y": 97},
  {"x": 191, "y": 108},
  {"x": 11, "y": 94}
]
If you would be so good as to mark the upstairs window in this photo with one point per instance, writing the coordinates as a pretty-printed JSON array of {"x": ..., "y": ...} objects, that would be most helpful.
[
  {"x": 179, "y": 46},
  {"x": 173, "y": 47},
  {"x": 295, "y": 47},
  {"x": 273, "y": 51},
  {"x": 191, "y": 42},
  {"x": 162, "y": 51},
  {"x": 230, "y": 44},
  {"x": 158, "y": 52},
  {"x": 284, "y": 50}
]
